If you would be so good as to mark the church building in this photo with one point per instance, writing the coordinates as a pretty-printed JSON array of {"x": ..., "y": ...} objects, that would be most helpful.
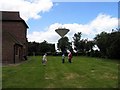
[{"x": 14, "y": 40}]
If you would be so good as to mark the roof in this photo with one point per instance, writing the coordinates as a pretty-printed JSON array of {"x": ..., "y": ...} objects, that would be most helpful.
[{"x": 12, "y": 16}]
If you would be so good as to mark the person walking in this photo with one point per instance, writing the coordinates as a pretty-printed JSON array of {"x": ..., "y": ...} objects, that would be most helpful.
[
  {"x": 69, "y": 57},
  {"x": 44, "y": 59},
  {"x": 63, "y": 58}
]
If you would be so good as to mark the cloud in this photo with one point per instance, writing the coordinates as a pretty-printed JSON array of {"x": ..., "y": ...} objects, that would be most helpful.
[
  {"x": 89, "y": 30},
  {"x": 49, "y": 35},
  {"x": 103, "y": 22},
  {"x": 28, "y": 8}
]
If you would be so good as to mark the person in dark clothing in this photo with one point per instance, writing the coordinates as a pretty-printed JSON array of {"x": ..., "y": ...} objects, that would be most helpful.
[{"x": 63, "y": 58}]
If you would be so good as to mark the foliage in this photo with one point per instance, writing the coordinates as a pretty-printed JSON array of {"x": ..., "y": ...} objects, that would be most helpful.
[
  {"x": 76, "y": 38},
  {"x": 82, "y": 46},
  {"x": 113, "y": 51},
  {"x": 86, "y": 46},
  {"x": 108, "y": 44},
  {"x": 40, "y": 48},
  {"x": 102, "y": 42},
  {"x": 64, "y": 44}
]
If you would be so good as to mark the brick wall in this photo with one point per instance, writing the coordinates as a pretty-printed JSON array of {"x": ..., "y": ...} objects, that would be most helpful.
[{"x": 18, "y": 31}]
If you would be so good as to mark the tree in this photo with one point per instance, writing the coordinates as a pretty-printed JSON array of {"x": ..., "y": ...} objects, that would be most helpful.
[
  {"x": 102, "y": 41},
  {"x": 40, "y": 48},
  {"x": 89, "y": 45},
  {"x": 109, "y": 43},
  {"x": 32, "y": 47},
  {"x": 46, "y": 47},
  {"x": 86, "y": 46},
  {"x": 76, "y": 38},
  {"x": 82, "y": 46},
  {"x": 113, "y": 51},
  {"x": 63, "y": 44}
]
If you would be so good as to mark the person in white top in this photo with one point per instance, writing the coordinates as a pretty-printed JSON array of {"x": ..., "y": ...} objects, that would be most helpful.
[{"x": 44, "y": 59}]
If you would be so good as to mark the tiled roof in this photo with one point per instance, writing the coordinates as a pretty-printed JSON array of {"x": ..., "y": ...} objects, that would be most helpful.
[
  {"x": 12, "y": 16},
  {"x": 8, "y": 15}
]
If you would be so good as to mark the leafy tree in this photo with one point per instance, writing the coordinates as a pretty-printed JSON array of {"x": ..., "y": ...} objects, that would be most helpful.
[
  {"x": 102, "y": 41},
  {"x": 44, "y": 47},
  {"x": 32, "y": 47},
  {"x": 89, "y": 45},
  {"x": 86, "y": 46},
  {"x": 109, "y": 43},
  {"x": 113, "y": 51},
  {"x": 82, "y": 46},
  {"x": 40, "y": 48},
  {"x": 76, "y": 38},
  {"x": 63, "y": 44}
]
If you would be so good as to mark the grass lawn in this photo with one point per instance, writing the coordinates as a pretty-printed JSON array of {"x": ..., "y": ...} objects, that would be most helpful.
[{"x": 83, "y": 72}]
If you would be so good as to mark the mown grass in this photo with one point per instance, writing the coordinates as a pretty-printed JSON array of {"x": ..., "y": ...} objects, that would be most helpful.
[{"x": 83, "y": 72}]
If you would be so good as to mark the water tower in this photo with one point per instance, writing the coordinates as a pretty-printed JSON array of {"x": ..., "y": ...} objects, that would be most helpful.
[{"x": 62, "y": 31}]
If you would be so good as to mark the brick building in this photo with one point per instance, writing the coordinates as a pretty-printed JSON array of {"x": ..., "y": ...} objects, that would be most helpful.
[{"x": 14, "y": 41}]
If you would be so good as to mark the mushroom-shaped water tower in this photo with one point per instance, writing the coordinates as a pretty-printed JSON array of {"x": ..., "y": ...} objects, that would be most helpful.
[{"x": 62, "y": 31}]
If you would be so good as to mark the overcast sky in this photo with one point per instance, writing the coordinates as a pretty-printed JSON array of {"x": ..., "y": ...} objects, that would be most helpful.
[{"x": 44, "y": 16}]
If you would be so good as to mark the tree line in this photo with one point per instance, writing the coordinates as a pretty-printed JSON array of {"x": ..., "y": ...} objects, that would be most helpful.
[
  {"x": 35, "y": 48},
  {"x": 107, "y": 43}
]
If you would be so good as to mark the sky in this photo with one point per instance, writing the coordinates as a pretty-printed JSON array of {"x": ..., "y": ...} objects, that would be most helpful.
[{"x": 44, "y": 16}]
